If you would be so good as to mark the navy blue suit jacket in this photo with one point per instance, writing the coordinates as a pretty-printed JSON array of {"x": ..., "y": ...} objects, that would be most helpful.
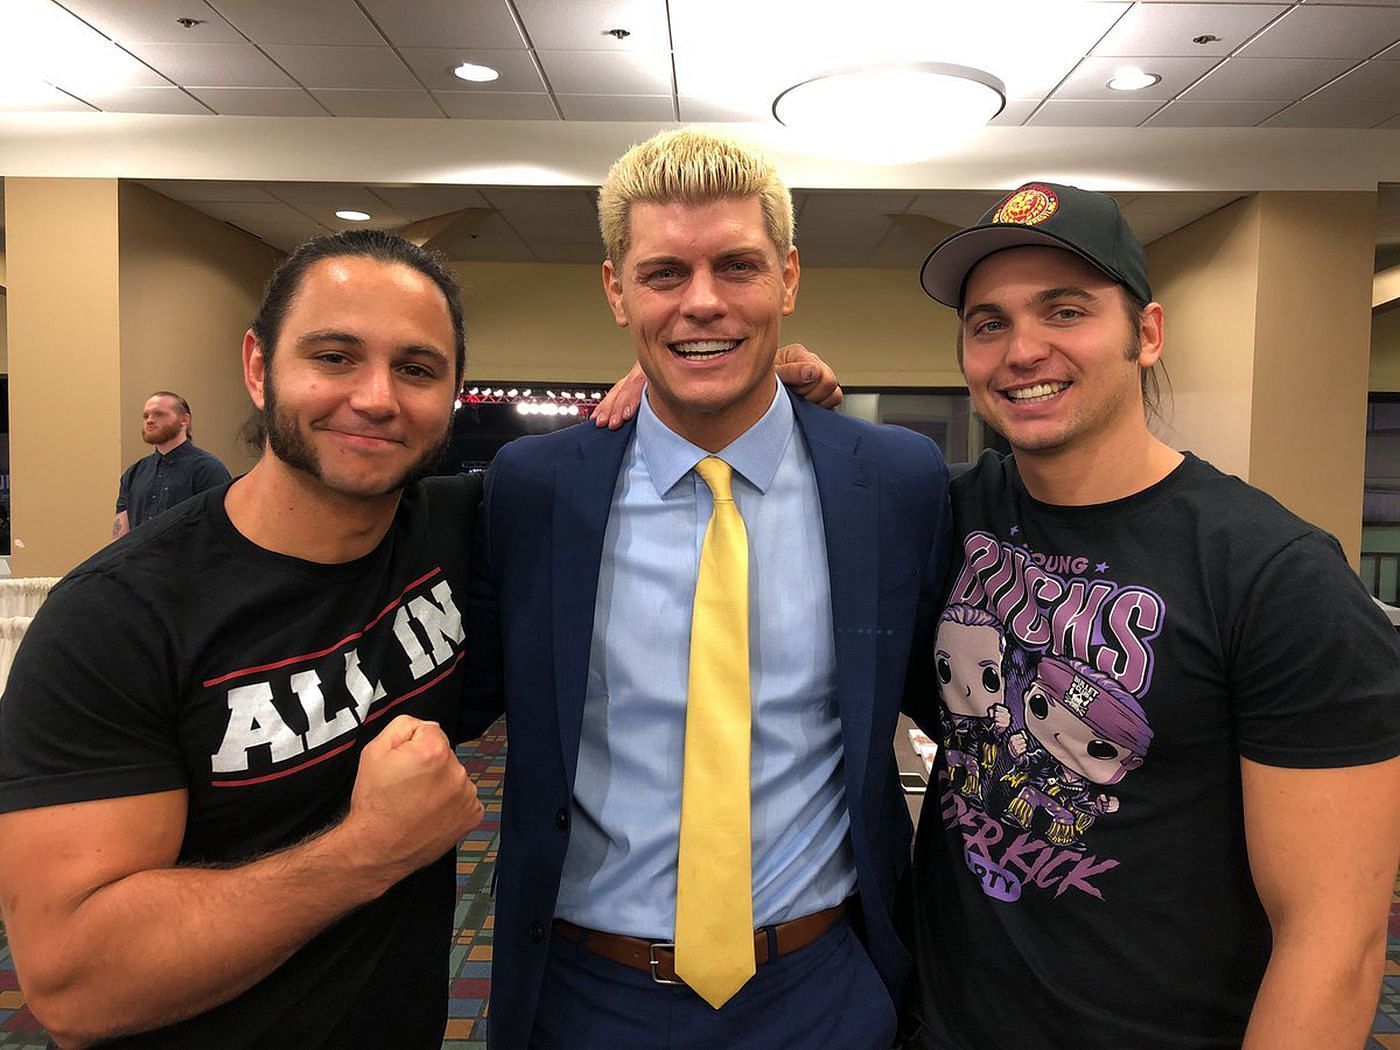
[{"x": 539, "y": 543}]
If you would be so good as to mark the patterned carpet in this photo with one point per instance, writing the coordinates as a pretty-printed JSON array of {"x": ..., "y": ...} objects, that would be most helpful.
[{"x": 471, "y": 951}]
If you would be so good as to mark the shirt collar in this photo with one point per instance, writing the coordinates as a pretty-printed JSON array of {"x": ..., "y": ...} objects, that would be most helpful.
[
  {"x": 754, "y": 454},
  {"x": 179, "y": 450}
]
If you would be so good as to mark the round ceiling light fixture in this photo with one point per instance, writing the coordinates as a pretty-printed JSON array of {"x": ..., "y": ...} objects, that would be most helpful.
[
  {"x": 1130, "y": 78},
  {"x": 475, "y": 73},
  {"x": 891, "y": 112},
  {"x": 350, "y": 215}
]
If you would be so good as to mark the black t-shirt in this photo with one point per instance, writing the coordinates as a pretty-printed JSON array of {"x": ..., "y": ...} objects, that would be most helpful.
[
  {"x": 1102, "y": 669},
  {"x": 186, "y": 657}
]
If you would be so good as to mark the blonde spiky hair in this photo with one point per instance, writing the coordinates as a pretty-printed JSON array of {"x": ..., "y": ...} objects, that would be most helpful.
[{"x": 691, "y": 167}]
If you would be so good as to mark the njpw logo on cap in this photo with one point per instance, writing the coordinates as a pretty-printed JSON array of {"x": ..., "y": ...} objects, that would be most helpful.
[{"x": 1028, "y": 206}]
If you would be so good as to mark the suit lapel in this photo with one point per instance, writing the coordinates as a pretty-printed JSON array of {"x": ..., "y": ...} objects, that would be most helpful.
[
  {"x": 583, "y": 493},
  {"x": 848, "y": 486}
]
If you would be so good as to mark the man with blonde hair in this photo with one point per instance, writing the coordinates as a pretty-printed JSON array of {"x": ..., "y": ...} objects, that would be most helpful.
[{"x": 699, "y": 626}]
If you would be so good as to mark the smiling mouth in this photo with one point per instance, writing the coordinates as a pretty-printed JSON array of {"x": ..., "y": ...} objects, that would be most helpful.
[
  {"x": 1031, "y": 394},
  {"x": 704, "y": 349}
]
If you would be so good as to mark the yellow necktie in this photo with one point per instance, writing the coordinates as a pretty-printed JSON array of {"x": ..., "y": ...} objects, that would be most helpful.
[{"x": 714, "y": 879}]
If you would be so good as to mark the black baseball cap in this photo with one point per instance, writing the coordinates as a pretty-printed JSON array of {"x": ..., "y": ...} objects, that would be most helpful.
[{"x": 1046, "y": 213}]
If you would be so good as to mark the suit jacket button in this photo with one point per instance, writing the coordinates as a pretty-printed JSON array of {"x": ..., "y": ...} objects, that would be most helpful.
[
  {"x": 536, "y": 932},
  {"x": 561, "y": 819}
]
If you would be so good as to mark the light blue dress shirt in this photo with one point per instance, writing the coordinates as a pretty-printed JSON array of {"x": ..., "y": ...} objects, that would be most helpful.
[{"x": 620, "y": 871}]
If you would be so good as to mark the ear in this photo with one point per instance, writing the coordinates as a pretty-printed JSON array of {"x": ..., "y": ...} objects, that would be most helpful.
[
  {"x": 612, "y": 288},
  {"x": 254, "y": 368},
  {"x": 1152, "y": 331},
  {"x": 792, "y": 273}
]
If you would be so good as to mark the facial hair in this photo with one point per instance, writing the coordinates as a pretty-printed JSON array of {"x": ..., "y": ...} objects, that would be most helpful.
[{"x": 287, "y": 443}]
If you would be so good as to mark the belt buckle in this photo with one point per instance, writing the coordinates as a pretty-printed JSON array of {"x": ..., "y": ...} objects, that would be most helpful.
[{"x": 653, "y": 961}]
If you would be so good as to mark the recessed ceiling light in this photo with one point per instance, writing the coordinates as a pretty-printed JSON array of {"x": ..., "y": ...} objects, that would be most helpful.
[
  {"x": 475, "y": 73},
  {"x": 1130, "y": 78},
  {"x": 892, "y": 112},
  {"x": 349, "y": 215}
]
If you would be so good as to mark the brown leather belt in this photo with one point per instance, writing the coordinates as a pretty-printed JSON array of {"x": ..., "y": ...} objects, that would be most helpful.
[{"x": 658, "y": 958}]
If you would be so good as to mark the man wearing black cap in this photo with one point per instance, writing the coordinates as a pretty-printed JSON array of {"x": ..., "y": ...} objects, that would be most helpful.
[{"x": 1185, "y": 820}]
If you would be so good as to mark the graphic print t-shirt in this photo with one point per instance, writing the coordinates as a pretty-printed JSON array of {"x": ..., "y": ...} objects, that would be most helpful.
[
  {"x": 1101, "y": 669},
  {"x": 185, "y": 657}
]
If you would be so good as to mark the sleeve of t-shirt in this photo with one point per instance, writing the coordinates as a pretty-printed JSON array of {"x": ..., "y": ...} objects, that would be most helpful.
[
  {"x": 124, "y": 488},
  {"x": 89, "y": 709},
  {"x": 1314, "y": 664}
]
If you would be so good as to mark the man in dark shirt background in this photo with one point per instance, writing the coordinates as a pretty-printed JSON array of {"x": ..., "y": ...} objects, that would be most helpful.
[{"x": 174, "y": 472}]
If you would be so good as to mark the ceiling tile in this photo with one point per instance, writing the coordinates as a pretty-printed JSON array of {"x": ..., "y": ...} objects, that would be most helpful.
[
  {"x": 1369, "y": 82},
  {"x": 145, "y": 100},
  {"x": 1168, "y": 29},
  {"x": 212, "y": 65},
  {"x": 709, "y": 111},
  {"x": 260, "y": 102},
  {"x": 285, "y": 236},
  {"x": 1327, "y": 32},
  {"x": 1265, "y": 79},
  {"x": 379, "y": 103},
  {"x": 40, "y": 98},
  {"x": 955, "y": 207},
  {"x": 1357, "y": 3},
  {"x": 1151, "y": 227},
  {"x": 302, "y": 22},
  {"x": 838, "y": 207},
  {"x": 203, "y": 190},
  {"x": 252, "y": 211},
  {"x": 1190, "y": 204},
  {"x": 1186, "y": 114},
  {"x": 1392, "y": 124},
  {"x": 617, "y": 107},
  {"x": 434, "y": 66},
  {"x": 1312, "y": 114},
  {"x": 95, "y": 65},
  {"x": 1015, "y": 112},
  {"x": 491, "y": 239},
  {"x": 154, "y": 21},
  {"x": 899, "y": 249},
  {"x": 583, "y": 25},
  {"x": 366, "y": 68},
  {"x": 608, "y": 72},
  {"x": 568, "y": 253},
  {"x": 446, "y": 23},
  {"x": 1090, "y": 78},
  {"x": 568, "y": 201},
  {"x": 1114, "y": 113},
  {"x": 424, "y": 202},
  {"x": 496, "y": 105}
]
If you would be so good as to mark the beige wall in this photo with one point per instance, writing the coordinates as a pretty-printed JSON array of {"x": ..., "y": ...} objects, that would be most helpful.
[
  {"x": 113, "y": 291},
  {"x": 189, "y": 287},
  {"x": 1312, "y": 356},
  {"x": 1205, "y": 275},
  {"x": 1268, "y": 346},
  {"x": 64, "y": 362},
  {"x": 534, "y": 321}
]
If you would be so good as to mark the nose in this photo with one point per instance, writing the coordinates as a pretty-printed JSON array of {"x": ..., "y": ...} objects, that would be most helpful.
[
  {"x": 1026, "y": 348},
  {"x": 375, "y": 394},
  {"x": 702, "y": 300}
]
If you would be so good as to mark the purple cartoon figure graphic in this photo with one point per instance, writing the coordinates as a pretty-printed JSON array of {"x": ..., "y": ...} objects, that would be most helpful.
[
  {"x": 1082, "y": 731},
  {"x": 968, "y": 657}
]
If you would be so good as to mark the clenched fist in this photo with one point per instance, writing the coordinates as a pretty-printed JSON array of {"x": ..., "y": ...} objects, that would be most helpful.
[{"x": 412, "y": 801}]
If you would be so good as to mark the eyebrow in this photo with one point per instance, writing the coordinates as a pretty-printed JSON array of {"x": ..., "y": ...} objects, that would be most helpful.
[
  {"x": 335, "y": 335},
  {"x": 1048, "y": 295},
  {"x": 674, "y": 260}
]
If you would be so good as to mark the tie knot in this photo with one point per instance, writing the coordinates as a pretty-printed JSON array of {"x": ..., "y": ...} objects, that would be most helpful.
[{"x": 716, "y": 474}]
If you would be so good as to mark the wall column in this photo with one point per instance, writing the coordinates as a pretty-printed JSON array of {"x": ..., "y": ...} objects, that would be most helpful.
[
  {"x": 65, "y": 369},
  {"x": 1268, "y": 305}
]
